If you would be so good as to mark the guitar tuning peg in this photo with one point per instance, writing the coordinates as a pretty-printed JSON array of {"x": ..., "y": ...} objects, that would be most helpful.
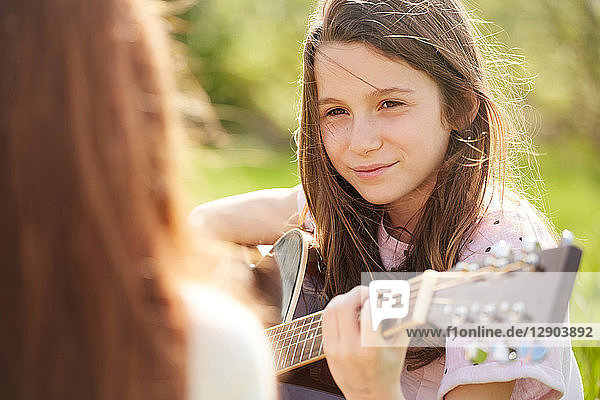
[
  {"x": 460, "y": 315},
  {"x": 530, "y": 256},
  {"x": 503, "y": 353},
  {"x": 472, "y": 267},
  {"x": 531, "y": 261},
  {"x": 531, "y": 245},
  {"x": 516, "y": 312},
  {"x": 518, "y": 256},
  {"x": 539, "y": 352},
  {"x": 502, "y": 250},
  {"x": 488, "y": 313},
  {"x": 502, "y": 262},
  {"x": 512, "y": 354},
  {"x": 460, "y": 266},
  {"x": 489, "y": 261},
  {"x": 532, "y": 353},
  {"x": 475, "y": 353},
  {"x": 466, "y": 266},
  {"x": 567, "y": 238},
  {"x": 500, "y": 352}
]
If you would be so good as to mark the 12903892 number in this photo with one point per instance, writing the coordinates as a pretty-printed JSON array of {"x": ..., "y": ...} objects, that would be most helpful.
[{"x": 563, "y": 331}]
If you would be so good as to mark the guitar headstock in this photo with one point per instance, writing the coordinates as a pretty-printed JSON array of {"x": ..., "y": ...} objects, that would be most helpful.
[
  {"x": 508, "y": 287},
  {"x": 530, "y": 286}
]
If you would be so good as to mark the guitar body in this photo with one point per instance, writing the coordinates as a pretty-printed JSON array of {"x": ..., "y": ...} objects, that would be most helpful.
[
  {"x": 312, "y": 381},
  {"x": 289, "y": 278}
]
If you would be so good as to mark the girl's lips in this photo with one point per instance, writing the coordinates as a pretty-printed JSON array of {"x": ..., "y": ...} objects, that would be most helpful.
[{"x": 371, "y": 171}]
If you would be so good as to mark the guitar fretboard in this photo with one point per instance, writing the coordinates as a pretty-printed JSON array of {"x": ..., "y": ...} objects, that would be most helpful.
[
  {"x": 296, "y": 343},
  {"x": 300, "y": 341}
]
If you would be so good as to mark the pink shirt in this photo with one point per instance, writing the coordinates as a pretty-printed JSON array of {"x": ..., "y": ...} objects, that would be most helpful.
[{"x": 556, "y": 376}]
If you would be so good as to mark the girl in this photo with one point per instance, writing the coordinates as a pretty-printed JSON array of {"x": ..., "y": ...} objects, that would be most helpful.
[
  {"x": 404, "y": 160},
  {"x": 90, "y": 236}
]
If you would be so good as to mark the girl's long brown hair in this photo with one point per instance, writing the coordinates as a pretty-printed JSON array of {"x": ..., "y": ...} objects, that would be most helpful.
[
  {"x": 433, "y": 36},
  {"x": 87, "y": 211}
]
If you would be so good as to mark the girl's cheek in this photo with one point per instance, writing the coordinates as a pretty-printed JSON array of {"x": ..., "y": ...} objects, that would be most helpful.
[
  {"x": 396, "y": 127},
  {"x": 335, "y": 127},
  {"x": 334, "y": 136},
  {"x": 334, "y": 147}
]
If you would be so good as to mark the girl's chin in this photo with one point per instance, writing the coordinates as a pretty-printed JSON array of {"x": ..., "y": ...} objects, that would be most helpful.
[{"x": 378, "y": 198}]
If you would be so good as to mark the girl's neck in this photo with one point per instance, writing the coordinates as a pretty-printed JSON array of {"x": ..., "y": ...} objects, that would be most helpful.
[
  {"x": 402, "y": 216},
  {"x": 401, "y": 233},
  {"x": 400, "y": 224}
]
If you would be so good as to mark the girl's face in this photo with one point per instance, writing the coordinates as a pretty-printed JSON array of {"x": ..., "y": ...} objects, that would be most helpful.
[{"x": 381, "y": 122}]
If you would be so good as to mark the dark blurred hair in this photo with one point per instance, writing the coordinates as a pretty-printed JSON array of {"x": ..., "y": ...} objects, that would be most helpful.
[{"x": 88, "y": 218}]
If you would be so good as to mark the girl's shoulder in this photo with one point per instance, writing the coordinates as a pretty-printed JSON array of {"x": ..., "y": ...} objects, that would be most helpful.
[
  {"x": 228, "y": 357},
  {"x": 511, "y": 218}
]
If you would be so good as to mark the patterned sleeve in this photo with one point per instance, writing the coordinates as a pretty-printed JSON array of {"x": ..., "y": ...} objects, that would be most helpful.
[
  {"x": 514, "y": 223},
  {"x": 553, "y": 377}
]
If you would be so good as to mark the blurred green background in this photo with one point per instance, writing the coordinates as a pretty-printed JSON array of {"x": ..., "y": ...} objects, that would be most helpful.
[{"x": 239, "y": 62}]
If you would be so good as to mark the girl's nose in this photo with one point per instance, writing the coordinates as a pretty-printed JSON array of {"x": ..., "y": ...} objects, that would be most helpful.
[{"x": 365, "y": 136}]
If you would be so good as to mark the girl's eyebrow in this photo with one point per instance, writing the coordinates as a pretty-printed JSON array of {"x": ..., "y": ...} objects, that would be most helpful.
[
  {"x": 374, "y": 94},
  {"x": 328, "y": 100},
  {"x": 385, "y": 91}
]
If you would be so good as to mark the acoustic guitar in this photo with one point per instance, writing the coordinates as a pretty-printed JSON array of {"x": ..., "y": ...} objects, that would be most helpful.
[{"x": 511, "y": 287}]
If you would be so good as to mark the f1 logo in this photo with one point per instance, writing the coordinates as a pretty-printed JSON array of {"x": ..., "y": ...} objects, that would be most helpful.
[{"x": 389, "y": 299}]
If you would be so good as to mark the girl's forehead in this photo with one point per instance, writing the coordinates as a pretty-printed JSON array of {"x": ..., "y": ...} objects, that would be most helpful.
[{"x": 356, "y": 66}]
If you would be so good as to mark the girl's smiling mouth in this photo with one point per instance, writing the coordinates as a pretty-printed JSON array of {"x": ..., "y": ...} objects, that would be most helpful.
[{"x": 372, "y": 170}]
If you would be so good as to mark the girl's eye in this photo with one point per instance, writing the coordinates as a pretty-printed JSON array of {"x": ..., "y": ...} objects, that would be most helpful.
[
  {"x": 335, "y": 111},
  {"x": 391, "y": 103}
]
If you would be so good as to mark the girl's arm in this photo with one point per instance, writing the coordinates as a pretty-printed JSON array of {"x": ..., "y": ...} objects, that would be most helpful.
[
  {"x": 258, "y": 217},
  {"x": 482, "y": 391}
]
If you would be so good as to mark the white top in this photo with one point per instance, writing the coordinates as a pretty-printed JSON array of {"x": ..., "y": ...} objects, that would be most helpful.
[{"x": 228, "y": 356}]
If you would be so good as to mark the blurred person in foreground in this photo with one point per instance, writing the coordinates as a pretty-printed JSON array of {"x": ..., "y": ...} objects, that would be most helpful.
[{"x": 94, "y": 304}]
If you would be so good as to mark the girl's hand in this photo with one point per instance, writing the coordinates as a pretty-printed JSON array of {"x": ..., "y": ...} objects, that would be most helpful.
[{"x": 362, "y": 372}]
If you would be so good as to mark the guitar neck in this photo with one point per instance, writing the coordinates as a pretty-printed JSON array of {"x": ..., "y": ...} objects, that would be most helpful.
[
  {"x": 300, "y": 342},
  {"x": 296, "y": 343}
]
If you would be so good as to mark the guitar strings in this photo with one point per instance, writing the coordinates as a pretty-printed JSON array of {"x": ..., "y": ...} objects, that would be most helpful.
[
  {"x": 293, "y": 329},
  {"x": 307, "y": 328},
  {"x": 286, "y": 337},
  {"x": 294, "y": 326},
  {"x": 294, "y": 360},
  {"x": 288, "y": 341},
  {"x": 316, "y": 314},
  {"x": 314, "y": 335},
  {"x": 288, "y": 327}
]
